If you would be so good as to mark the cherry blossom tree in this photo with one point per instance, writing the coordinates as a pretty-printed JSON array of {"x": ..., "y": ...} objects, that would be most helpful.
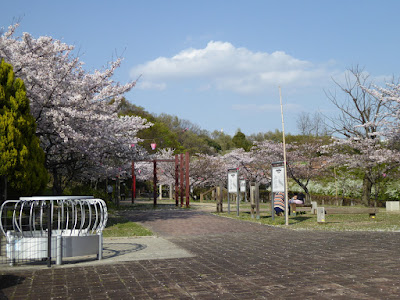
[
  {"x": 369, "y": 157},
  {"x": 361, "y": 113},
  {"x": 388, "y": 96},
  {"x": 266, "y": 152},
  {"x": 79, "y": 130},
  {"x": 250, "y": 168},
  {"x": 208, "y": 170},
  {"x": 303, "y": 160},
  {"x": 211, "y": 170},
  {"x": 166, "y": 170}
]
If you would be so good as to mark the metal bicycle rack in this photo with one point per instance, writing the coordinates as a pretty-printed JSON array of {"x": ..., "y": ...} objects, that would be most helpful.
[{"x": 45, "y": 227}]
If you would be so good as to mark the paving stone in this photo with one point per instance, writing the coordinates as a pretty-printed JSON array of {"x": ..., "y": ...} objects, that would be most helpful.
[{"x": 230, "y": 260}]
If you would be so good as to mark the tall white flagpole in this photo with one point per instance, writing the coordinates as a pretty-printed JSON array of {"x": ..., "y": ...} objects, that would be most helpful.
[{"x": 284, "y": 163}]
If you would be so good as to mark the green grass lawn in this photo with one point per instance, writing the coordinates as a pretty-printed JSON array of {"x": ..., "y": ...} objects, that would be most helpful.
[
  {"x": 118, "y": 226},
  {"x": 333, "y": 222}
]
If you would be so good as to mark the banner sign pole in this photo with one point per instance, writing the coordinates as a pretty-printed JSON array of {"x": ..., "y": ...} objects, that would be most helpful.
[
  {"x": 237, "y": 193},
  {"x": 277, "y": 183},
  {"x": 233, "y": 186}
]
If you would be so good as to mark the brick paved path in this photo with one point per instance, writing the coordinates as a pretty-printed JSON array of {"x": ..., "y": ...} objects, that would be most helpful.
[{"x": 234, "y": 260}]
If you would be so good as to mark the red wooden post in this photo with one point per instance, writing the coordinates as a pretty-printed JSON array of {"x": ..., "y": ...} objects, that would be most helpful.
[
  {"x": 181, "y": 173},
  {"x": 187, "y": 178},
  {"x": 133, "y": 182},
  {"x": 134, "y": 186},
  {"x": 177, "y": 180},
  {"x": 155, "y": 183}
]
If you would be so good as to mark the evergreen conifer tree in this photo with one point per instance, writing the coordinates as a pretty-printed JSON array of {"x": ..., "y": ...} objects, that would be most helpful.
[{"x": 21, "y": 158}]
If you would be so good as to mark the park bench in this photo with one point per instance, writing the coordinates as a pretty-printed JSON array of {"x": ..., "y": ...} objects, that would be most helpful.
[
  {"x": 293, "y": 208},
  {"x": 341, "y": 210},
  {"x": 333, "y": 210}
]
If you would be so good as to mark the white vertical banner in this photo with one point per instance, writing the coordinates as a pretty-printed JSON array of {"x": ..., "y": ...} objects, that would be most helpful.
[
  {"x": 278, "y": 179},
  {"x": 243, "y": 186},
  {"x": 232, "y": 182}
]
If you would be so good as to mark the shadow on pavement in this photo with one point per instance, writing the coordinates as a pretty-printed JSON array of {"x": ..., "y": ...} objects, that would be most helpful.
[
  {"x": 124, "y": 248},
  {"x": 110, "y": 251},
  {"x": 7, "y": 281},
  {"x": 159, "y": 214}
]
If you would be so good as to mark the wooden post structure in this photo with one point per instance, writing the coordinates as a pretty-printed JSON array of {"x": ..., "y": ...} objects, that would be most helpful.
[
  {"x": 187, "y": 178},
  {"x": 334, "y": 171},
  {"x": 253, "y": 198},
  {"x": 154, "y": 161},
  {"x": 133, "y": 183},
  {"x": 176, "y": 180},
  {"x": 257, "y": 201},
  {"x": 155, "y": 183},
  {"x": 182, "y": 178},
  {"x": 219, "y": 198}
]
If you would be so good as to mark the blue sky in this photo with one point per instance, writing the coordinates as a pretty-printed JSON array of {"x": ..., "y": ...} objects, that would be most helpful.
[{"x": 219, "y": 63}]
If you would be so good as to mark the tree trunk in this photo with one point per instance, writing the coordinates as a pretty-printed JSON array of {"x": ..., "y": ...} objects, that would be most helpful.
[
  {"x": 3, "y": 188},
  {"x": 302, "y": 185},
  {"x": 57, "y": 189},
  {"x": 118, "y": 191},
  {"x": 366, "y": 194},
  {"x": 308, "y": 195},
  {"x": 306, "y": 191}
]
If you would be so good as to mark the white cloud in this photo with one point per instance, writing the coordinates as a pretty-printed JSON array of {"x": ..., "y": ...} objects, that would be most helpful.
[{"x": 225, "y": 67}]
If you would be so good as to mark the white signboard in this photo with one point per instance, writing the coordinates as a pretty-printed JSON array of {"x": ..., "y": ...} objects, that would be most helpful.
[
  {"x": 278, "y": 179},
  {"x": 243, "y": 186},
  {"x": 232, "y": 182}
]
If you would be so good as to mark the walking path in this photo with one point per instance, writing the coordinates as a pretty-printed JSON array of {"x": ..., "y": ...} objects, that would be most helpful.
[{"x": 221, "y": 258}]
